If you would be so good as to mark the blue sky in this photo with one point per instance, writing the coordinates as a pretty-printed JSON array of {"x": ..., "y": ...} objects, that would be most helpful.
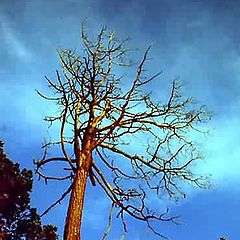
[{"x": 197, "y": 41}]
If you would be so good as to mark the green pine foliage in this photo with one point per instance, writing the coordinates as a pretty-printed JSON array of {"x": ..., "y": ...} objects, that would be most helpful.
[{"x": 17, "y": 219}]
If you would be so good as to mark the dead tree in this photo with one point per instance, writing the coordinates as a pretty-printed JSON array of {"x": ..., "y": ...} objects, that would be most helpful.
[{"x": 124, "y": 141}]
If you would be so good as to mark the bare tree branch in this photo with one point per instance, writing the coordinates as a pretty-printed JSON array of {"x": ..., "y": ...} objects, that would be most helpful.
[{"x": 130, "y": 145}]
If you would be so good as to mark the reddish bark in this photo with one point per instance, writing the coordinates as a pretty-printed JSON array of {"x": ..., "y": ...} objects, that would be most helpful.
[{"x": 75, "y": 208}]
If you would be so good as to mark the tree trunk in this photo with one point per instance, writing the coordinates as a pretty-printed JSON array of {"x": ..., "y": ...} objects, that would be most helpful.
[{"x": 74, "y": 215}]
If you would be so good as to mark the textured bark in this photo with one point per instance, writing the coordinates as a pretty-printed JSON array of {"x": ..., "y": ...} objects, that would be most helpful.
[{"x": 75, "y": 208}]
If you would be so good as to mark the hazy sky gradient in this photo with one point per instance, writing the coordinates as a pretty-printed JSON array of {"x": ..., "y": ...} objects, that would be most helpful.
[{"x": 197, "y": 41}]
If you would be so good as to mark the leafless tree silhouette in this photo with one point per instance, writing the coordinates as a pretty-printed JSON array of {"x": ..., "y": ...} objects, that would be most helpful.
[{"x": 124, "y": 141}]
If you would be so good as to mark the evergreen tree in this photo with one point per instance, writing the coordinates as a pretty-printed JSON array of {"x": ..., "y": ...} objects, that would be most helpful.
[{"x": 17, "y": 219}]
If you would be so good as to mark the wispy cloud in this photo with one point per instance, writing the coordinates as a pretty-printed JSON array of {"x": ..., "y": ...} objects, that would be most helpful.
[
  {"x": 222, "y": 152},
  {"x": 13, "y": 43}
]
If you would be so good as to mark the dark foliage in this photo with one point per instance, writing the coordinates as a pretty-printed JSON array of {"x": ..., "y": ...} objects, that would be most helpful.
[{"x": 17, "y": 219}]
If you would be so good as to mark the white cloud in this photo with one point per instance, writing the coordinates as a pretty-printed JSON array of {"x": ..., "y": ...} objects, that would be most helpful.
[
  {"x": 13, "y": 43},
  {"x": 223, "y": 152}
]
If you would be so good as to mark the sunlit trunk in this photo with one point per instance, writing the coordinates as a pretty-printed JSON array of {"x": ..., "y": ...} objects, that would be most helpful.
[{"x": 72, "y": 229}]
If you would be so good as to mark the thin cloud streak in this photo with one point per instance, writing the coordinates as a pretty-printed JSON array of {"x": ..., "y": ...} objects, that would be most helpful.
[{"x": 12, "y": 42}]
